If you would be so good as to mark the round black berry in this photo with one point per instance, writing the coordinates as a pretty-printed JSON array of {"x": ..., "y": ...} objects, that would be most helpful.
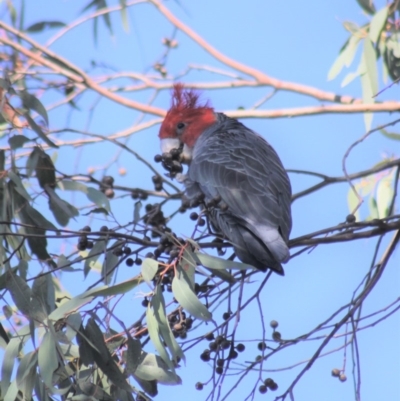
[
  {"x": 240, "y": 347},
  {"x": 199, "y": 386},
  {"x": 262, "y": 389}
]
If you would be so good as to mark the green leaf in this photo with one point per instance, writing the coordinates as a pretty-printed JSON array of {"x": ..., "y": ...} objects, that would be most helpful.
[
  {"x": 40, "y": 26},
  {"x": 187, "y": 298},
  {"x": 152, "y": 367},
  {"x": 26, "y": 374},
  {"x": 378, "y": 23},
  {"x": 390, "y": 135},
  {"x": 164, "y": 329},
  {"x": 5, "y": 84},
  {"x": 10, "y": 355},
  {"x": 96, "y": 210},
  {"x": 213, "y": 262},
  {"x": 39, "y": 131},
  {"x": 345, "y": 57},
  {"x": 73, "y": 322},
  {"x": 352, "y": 201},
  {"x": 98, "y": 249},
  {"x": 149, "y": 269},
  {"x": 133, "y": 355},
  {"x": 367, "y": 6},
  {"x": 64, "y": 264},
  {"x": 94, "y": 195},
  {"x": 61, "y": 209},
  {"x": 47, "y": 359},
  {"x": 17, "y": 141},
  {"x": 39, "y": 219},
  {"x": 33, "y": 103},
  {"x": 373, "y": 209},
  {"x": 12, "y": 393},
  {"x": 39, "y": 307},
  {"x": 124, "y": 15},
  {"x": 32, "y": 161},
  {"x": 20, "y": 292},
  {"x": 369, "y": 55},
  {"x": 19, "y": 186},
  {"x": 103, "y": 357},
  {"x": 74, "y": 304},
  {"x": 368, "y": 94},
  {"x": 351, "y": 26},
  {"x": 352, "y": 75},
  {"x": 153, "y": 329},
  {"x": 136, "y": 212},
  {"x": 45, "y": 170},
  {"x": 110, "y": 262},
  {"x": 116, "y": 289},
  {"x": 384, "y": 196},
  {"x": 2, "y": 159}
]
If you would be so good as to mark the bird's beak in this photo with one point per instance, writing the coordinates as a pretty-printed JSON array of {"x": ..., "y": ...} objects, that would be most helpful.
[{"x": 167, "y": 144}]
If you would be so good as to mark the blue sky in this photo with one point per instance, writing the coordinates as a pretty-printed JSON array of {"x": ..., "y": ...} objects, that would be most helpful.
[{"x": 293, "y": 41}]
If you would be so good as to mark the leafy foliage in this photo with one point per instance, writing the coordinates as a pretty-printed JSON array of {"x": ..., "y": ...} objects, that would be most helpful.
[{"x": 69, "y": 346}]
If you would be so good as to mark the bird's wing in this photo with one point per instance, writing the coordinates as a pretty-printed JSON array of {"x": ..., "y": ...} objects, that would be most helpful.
[{"x": 245, "y": 171}]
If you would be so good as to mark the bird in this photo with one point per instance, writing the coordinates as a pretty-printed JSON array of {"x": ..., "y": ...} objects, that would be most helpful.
[{"x": 235, "y": 170}]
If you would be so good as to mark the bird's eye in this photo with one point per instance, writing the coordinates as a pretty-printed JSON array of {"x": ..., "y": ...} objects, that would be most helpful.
[{"x": 180, "y": 126}]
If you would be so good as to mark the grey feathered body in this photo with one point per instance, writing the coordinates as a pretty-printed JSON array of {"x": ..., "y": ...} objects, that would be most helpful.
[{"x": 233, "y": 162}]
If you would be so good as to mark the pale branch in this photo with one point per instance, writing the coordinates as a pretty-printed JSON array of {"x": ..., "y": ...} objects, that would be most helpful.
[
  {"x": 357, "y": 303},
  {"x": 380, "y": 227},
  {"x": 259, "y": 76},
  {"x": 326, "y": 180},
  {"x": 389, "y": 106},
  {"x": 77, "y": 75},
  {"x": 96, "y": 14}
]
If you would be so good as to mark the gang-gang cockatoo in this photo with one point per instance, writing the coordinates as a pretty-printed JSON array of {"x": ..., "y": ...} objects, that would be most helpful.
[{"x": 233, "y": 165}]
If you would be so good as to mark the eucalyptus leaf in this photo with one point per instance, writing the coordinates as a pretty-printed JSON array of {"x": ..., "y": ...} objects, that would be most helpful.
[
  {"x": 47, "y": 359},
  {"x": 149, "y": 269},
  {"x": 26, "y": 373},
  {"x": 384, "y": 196},
  {"x": 40, "y": 26},
  {"x": 367, "y": 6},
  {"x": 390, "y": 135},
  {"x": 20, "y": 292},
  {"x": 368, "y": 94},
  {"x": 61, "y": 209},
  {"x": 116, "y": 289},
  {"x": 216, "y": 263},
  {"x": 378, "y": 23},
  {"x": 153, "y": 329},
  {"x": 98, "y": 249},
  {"x": 19, "y": 187},
  {"x": 32, "y": 161},
  {"x": 187, "y": 298},
  {"x": 164, "y": 329},
  {"x": 152, "y": 367},
  {"x": 345, "y": 57},
  {"x": 73, "y": 322},
  {"x": 369, "y": 55},
  {"x": 373, "y": 208},
  {"x": 10, "y": 355},
  {"x": 39, "y": 131},
  {"x": 31, "y": 102},
  {"x": 39, "y": 307},
  {"x": 103, "y": 357},
  {"x": 93, "y": 194},
  {"x": 352, "y": 201},
  {"x": 17, "y": 141},
  {"x": 133, "y": 355},
  {"x": 73, "y": 304},
  {"x": 136, "y": 212}
]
